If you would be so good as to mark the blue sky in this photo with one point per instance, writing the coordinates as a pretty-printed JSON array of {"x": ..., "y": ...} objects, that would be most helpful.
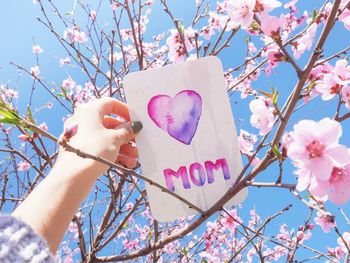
[{"x": 19, "y": 30}]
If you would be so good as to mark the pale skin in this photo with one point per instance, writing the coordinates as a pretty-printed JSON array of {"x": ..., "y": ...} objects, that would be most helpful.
[{"x": 51, "y": 206}]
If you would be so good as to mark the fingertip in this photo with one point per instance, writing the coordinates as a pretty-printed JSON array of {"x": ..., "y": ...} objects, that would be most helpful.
[{"x": 136, "y": 126}]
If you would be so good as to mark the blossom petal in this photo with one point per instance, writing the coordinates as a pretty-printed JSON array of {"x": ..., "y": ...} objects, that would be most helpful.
[
  {"x": 339, "y": 154},
  {"x": 304, "y": 131},
  {"x": 303, "y": 181},
  {"x": 318, "y": 188},
  {"x": 321, "y": 167},
  {"x": 329, "y": 131}
]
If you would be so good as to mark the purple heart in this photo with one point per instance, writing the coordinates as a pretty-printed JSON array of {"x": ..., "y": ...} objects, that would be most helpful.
[{"x": 177, "y": 116}]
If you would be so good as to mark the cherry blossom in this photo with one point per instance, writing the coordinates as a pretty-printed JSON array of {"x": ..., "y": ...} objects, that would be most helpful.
[
  {"x": 336, "y": 252},
  {"x": 114, "y": 5},
  {"x": 287, "y": 139},
  {"x": 37, "y": 49},
  {"x": 305, "y": 42},
  {"x": 241, "y": 12},
  {"x": 232, "y": 220},
  {"x": 64, "y": 61},
  {"x": 246, "y": 141},
  {"x": 265, "y": 6},
  {"x": 70, "y": 131},
  {"x": 93, "y": 15},
  {"x": 35, "y": 71},
  {"x": 24, "y": 137},
  {"x": 43, "y": 126},
  {"x": 325, "y": 220},
  {"x": 262, "y": 117},
  {"x": 23, "y": 166},
  {"x": 7, "y": 93},
  {"x": 316, "y": 147},
  {"x": 345, "y": 18},
  {"x": 337, "y": 187},
  {"x": 342, "y": 72},
  {"x": 270, "y": 25},
  {"x": 346, "y": 96},
  {"x": 328, "y": 86},
  {"x": 177, "y": 50},
  {"x": 344, "y": 242},
  {"x": 74, "y": 34}
]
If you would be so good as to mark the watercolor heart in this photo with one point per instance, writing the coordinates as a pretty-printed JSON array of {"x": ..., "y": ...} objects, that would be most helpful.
[{"x": 178, "y": 116}]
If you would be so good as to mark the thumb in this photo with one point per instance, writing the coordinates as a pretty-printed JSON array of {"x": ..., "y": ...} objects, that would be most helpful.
[{"x": 127, "y": 131}]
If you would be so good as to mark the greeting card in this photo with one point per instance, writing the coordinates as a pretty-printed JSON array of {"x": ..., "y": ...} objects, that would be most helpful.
[{"x": 189, "y": 141}]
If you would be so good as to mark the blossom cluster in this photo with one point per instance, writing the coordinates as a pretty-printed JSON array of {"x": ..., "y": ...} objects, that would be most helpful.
[{"x": 323, "y": 164}]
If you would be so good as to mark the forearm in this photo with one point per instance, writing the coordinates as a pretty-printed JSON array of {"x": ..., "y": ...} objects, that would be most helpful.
[{"x": 53, "y": 203}]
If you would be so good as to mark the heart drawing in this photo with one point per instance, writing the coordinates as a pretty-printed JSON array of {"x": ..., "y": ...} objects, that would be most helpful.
[{"x": 178, "y": 116}]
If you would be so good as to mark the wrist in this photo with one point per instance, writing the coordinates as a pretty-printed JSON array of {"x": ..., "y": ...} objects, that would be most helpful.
[{"x": 71, "y": 165}]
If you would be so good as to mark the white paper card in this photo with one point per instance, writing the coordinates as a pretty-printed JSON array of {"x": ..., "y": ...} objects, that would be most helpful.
[{"x": 189, "y": 141}]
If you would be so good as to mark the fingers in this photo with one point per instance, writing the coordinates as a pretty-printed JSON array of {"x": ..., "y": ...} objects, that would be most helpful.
[
  {"x": 113, "y": 106},
  {"x": 128, "y": 156},
  {"x": 110, "y": 122},
  {"x": 126, "y": 132}
]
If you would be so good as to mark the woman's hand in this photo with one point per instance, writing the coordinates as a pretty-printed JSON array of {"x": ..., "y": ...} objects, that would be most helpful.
[
  {"x": 52, "y": 204},
  {"x": 102, "y": 135}
]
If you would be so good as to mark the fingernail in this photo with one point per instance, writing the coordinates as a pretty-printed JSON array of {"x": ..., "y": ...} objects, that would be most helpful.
[{"x": 136, "y": 126}]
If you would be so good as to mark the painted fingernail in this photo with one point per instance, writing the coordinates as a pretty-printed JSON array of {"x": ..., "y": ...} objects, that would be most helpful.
[{"x": 136, "y": 126}]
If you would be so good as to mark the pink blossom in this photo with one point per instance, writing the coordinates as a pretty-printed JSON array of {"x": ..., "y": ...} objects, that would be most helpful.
[
  {"x": 129, "y": 206},
  {"x": 176, "y": 47},
  {"x": 344, "y": 246},
  {"x": 37, "y": 49},
  {"x": 35, "y": 71},
  {"x": 287, "y": 139},
  {"x": 337, "y": 187},
  {"x": 241, "y": 12},
  {"x": 114, "y": 6},
  {"x": 74, "y": 34},
  {"x": 23, "y": 166},
  {"x": 8, "y": 93},
  {"x": 342, "y": 72},
  {"x": 93, "y": 15},
  {"x": 345, "y": 18},
  {"x": 270, "y": 25},
  {"x": 68, "y": 84},
  {"x": 130, "y": 244},
  {"x": 291, "y": 5},
  {"x": 328, "y": 87},
  {"x": 231, "y": 221},
  {"x": 43, "y": 126},
  {"x": 305, "y": 42},
  {"x": 336, "y": 252},
  {"x": 273, "y": 54},
  {"x": 316, "y": 147},
  {"x": 64, "y": 61},
  {"x": 317, "y": 73},
  {"x": 49, "y": 105},
  {"x": 346, "y": 96},
  {"x": 73, "y": 228},
  {"x": 215, "y": 20},
  {"x": 24, "y": 137},
  {"x": 251, "y": 47},
  {"x": 246, "y": 141},
  {"x": 262, "y": 117},
  {"x": 80, "y": 37},
  {"x": 254, "y": 218},
  {"x": 265, "y": 6},
  {"x": 325, "y": 220},
  {"x": 207, "y": 32}
]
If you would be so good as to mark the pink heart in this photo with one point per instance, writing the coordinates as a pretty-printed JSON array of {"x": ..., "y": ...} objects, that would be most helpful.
[{"x": 178, "y": 116}]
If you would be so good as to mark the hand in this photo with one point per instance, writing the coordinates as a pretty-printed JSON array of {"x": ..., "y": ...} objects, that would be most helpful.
[{"x": 101, "y": 135}]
